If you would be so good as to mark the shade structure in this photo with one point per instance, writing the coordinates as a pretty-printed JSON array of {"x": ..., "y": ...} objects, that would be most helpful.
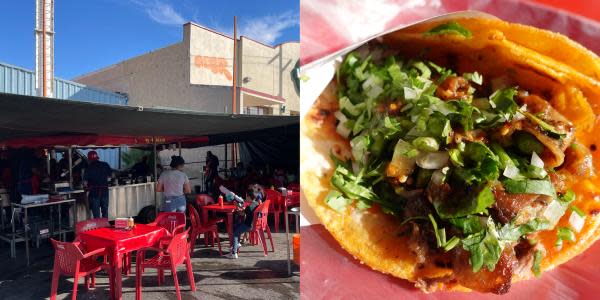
[{"x": 28, "y": 119}]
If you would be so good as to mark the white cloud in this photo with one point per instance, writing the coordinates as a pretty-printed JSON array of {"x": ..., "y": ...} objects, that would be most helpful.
[
  {"x": 268, "y": 29},
  {"x": 160, "y": 12}
]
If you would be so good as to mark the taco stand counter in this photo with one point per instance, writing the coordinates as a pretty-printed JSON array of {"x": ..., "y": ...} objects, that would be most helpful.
[{"x": 124, "y": 201}]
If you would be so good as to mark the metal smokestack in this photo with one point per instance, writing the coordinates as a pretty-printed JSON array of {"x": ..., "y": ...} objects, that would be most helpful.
[{"x": 44, "y": 47}]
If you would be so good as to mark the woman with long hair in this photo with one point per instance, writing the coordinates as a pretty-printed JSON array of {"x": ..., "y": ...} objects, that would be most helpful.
[{"x": 174, "y": 184}]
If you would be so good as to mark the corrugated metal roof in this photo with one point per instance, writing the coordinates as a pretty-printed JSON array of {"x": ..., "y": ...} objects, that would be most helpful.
[{"x": 15, "y": 80}]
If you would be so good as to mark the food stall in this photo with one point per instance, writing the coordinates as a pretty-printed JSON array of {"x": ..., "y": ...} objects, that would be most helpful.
[{"x": 91, "y": 125}]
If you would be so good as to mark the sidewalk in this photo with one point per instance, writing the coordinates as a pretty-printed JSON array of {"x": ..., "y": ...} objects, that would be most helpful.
[{"x": 252, "y": 276}]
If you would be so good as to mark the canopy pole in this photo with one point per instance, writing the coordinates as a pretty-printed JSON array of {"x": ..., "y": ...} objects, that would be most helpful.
[
  {"x": 179, "y": 145},
  {"x": 155, "y": 180},
  {"x": 234, "y": 87},
  {"x": 70, "y": 153}
]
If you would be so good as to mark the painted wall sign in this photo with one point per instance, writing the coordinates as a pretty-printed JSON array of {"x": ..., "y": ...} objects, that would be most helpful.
[{"x": 216, "y": 65}]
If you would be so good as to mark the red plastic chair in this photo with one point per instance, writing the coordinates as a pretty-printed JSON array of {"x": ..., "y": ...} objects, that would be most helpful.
[
  {"x": 69, "y": 260},
  {"x": 91, "y": 224},
  {"x": 209, "y": 230},
  {"x": 175, "y": 254},
  {"x": 261, "y": 226},
  {"x": 204, "y": 199},
  {"x": 292, "y": 199},
  {"x": 169, "y": 220},
  {"x": 276, "y": 205},
  {"x": 294, "y": 187}
]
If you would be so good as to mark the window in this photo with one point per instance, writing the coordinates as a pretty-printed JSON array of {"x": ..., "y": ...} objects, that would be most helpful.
[{"x": 258, "y": 110}]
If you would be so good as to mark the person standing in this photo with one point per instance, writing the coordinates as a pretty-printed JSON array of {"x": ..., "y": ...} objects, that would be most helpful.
[
  {"x": 96, "y": 180},
  {"x": 30, "y": 169},
  {"x": 174, "y": 184},
  {"x": 212, "y": 170},
  {"x": 140, "y": 169}
]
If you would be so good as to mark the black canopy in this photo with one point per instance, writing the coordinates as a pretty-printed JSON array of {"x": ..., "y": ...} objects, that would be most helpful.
[{"x": 27, "y": 116}]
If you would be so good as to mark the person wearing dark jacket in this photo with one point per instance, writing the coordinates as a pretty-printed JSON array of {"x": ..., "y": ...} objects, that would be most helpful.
[
  {"x": 96, "y": 179},
  {"x": 140, "y": 169},
  {"x": 211, "y": 172}
]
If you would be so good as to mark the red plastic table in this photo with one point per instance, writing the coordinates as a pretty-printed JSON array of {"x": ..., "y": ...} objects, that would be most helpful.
[
  {"x": 118, "y": 242},
  {"x": 229, "y": 209}
]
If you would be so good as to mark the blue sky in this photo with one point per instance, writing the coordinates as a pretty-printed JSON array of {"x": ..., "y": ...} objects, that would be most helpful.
[{"x": 94, "y": 34}]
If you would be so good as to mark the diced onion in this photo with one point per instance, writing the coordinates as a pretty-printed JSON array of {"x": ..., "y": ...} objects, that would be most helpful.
[
  {"x": 401, "y": 165},
  {"x": 341, "y": 128},
  {"x": 340, "y": 116},
  {"x": 518, "y": 116},
  {"x": 355, "y": 167},
  {"x": 536, "y": 161},
  {"x": 374, "y": 91},
  {"x": 433, "y": 160},
  {"x": 438, "y": 177},
  {"x": 553, "y": 212},
  {"x": 511, "y": 171},
  {"x": 373, "y": 86},
  {"x": 410, "y": 93},
  {"x": 576, "y": 221}
]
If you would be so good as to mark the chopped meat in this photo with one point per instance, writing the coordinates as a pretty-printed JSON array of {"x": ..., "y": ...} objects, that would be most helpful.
[
  {"x": 422, "y": 242},
  {"x": 453, "y": 88},
  {"x": 554, "y": 153},
  {"x": 438, "y": 192},
  {"x": 417, "y": 244},
  {"x": 525, "y": 252},
  {"x": 431, "y": 284},
  {"x": 578, "y": 160},
  {"x": 416, "y": 206},
  {"x": 520, "y": 207},
  {"x": 561, "y": 180},
  {"x": 422, "y": 238},
  {"x": 413, "y": 196},
  {"x": 485, "y": 281},
  {"x": 469, "y": 136}
]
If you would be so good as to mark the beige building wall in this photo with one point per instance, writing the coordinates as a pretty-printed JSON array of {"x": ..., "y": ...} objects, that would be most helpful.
[
  {"x": 210, "y": 56},
  {"x": 268, "y": 70},
  {"x": 197, "y": 74},
  {"x": 161, "y": 78}
]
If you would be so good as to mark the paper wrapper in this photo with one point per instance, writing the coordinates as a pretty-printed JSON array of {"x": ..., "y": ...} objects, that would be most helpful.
[{"x": 332, "y": 28}]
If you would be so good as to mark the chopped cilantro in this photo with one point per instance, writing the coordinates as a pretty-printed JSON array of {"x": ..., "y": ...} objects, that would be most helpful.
[
  {"x": 578, "y": 210},
  {"x": 336, "y": 201},
  {"x": 530, "y": 186},
  {"x": 537, "y": 259},
  {"x": 451, "y": 27},
  {"x": 547, "y": 128},
  {"x": 565, "y": 234}
]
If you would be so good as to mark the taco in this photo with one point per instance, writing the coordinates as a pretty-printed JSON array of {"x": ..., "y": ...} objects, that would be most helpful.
[{"x": 459, "y": 155}]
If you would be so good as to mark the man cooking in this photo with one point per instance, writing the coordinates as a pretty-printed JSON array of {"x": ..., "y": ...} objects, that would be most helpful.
[
  {"x": 31, "y": 168},
  {"x": 140, "y": 169},
  {"x": 96, "y": 180}
]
